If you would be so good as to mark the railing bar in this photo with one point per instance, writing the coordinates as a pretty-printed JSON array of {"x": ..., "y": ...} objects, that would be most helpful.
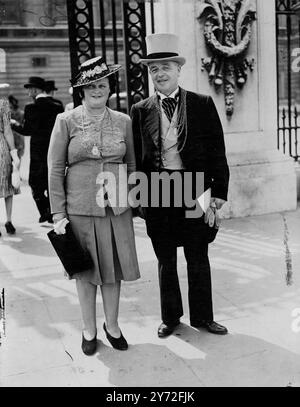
[
  {"x": 115, "y": 42},
  {"x": 152, "y": 17},
  {"x": 289, "y": 81},
  {"x": 102, "y": 22}
]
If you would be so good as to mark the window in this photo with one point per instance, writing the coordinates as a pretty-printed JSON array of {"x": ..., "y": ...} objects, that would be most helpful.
[
  {"x": 39, "y": 61},
  {"x": 10, "y": 12}
]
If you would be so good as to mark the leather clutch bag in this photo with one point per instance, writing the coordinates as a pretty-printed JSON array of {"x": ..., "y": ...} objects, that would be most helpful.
[{"x": 73, "y": 257}]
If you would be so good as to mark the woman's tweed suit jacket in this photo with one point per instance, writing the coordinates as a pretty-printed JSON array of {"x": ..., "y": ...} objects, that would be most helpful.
[{"x": 76, "y": 175}]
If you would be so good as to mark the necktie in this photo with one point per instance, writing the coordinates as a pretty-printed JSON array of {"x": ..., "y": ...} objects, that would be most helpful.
[{"x": 169, "y": 106}]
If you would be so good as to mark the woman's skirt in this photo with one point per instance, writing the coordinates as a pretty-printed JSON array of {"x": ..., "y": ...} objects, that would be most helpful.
[
  {"x": 6, "y": 188},
  {"x": 110, "y": 241}
]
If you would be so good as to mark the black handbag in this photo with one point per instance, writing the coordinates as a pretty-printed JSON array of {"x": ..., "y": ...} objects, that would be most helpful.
[{"x": 74, "y": 258}]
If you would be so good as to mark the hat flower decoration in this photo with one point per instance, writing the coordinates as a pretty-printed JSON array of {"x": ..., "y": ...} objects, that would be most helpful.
[{"x": 93, "y": 70}]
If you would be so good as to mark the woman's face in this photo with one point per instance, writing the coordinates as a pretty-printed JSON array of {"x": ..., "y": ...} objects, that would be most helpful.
[{"x": 96, "y": 93}]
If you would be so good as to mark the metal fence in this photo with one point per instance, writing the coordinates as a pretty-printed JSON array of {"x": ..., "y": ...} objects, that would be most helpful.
[
  {"x": 288, "y": 77},
  {"x": 121, "y": 39}
]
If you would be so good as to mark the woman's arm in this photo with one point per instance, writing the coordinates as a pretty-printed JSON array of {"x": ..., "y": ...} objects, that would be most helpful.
[
  {"x": 57, "y": 162},
  {"x": 129, "y": 158},
  {"x": 8, "y": 134}
]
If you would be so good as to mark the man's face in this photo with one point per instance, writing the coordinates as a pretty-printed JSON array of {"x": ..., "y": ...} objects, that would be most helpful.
[{"x": 165, "y": 76}]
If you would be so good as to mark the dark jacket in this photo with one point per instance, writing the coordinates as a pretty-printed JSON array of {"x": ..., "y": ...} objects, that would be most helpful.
[
  {"x": 57, "y": 101},
  {"x": 203, "y": 150},
  {"x": 38, "y": 122}
]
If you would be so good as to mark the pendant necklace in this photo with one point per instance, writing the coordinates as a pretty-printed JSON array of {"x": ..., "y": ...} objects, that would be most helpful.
[{"x": 96, "y": 150}]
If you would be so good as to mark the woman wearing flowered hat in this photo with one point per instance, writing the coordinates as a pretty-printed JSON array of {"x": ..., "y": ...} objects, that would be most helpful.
[{"x": 87, "y": 143}]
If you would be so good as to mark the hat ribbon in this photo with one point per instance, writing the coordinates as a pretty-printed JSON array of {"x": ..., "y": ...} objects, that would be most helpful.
[{"x": 157, "y": 55}]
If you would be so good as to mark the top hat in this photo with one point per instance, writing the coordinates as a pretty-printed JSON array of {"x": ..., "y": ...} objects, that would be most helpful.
[
  {"x": 92, "y": 70},
  {"x": 35, "y": 82},
  {"x": 162, "y": 47},
  {"x": 50, "y": 85}
]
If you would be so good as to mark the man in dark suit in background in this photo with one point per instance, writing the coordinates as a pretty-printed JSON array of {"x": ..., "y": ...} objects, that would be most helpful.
[
  {"x": 39, "y": 118},
  {"x": 177, "y": 131},
  {"x": 50, "y": 88}
]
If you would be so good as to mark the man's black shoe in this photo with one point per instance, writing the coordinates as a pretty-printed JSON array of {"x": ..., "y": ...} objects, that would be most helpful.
[
  {"x": 212, "y": 327},
  {"x": 166, "y": 330}
]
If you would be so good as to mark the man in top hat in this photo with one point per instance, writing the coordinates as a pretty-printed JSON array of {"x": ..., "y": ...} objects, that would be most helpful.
[
  {"x": 178, "y": 132},
  {"x": 49, "y": 90},
  {"x": 38, "y": 121}
]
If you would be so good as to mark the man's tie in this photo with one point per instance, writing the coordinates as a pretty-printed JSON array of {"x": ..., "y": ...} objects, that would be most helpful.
[{"x": 169, "y": 106}]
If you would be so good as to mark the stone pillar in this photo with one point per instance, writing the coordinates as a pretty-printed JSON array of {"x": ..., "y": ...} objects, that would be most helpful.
[{"x": 263, "y": 180}]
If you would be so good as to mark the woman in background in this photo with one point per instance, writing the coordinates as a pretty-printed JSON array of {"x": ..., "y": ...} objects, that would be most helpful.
[{"x": 8, "y": 158}]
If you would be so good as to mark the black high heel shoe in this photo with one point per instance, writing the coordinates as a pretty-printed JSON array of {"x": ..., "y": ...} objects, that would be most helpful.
[
  {"x": 10, "y": 229},
  {"x": 117, "y": 343},
  {"x": 89, "y": 347}
]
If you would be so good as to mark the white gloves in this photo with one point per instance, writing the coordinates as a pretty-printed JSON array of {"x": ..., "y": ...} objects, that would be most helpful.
[
  {"x": 15, "y": 158},
  {"x": 14, "y": 122},
  {"x": 212, "y": 217},
  {"x": 60, "y": 226}
]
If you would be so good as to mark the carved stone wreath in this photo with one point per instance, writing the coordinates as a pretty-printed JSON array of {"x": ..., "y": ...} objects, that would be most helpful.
[{"x": 227, "y": 32}]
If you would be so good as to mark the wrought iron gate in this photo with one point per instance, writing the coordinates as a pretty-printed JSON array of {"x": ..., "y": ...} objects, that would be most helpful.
[
  {"x": 120, "y": 36},
  {"x": 288, "y": 76}
]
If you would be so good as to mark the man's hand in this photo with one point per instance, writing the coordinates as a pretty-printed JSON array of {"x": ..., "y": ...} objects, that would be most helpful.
[
  {"x": 212, "y": 216},
  {"x": 217, "y": 202},
  {"x": 209, "y": 216}
]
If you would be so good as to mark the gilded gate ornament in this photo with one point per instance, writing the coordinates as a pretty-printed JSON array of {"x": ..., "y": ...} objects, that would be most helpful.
[{"x": 227, "y": 32}]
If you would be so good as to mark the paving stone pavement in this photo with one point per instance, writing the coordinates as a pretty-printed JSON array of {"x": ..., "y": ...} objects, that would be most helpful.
[{"x": 41, "y": 346}]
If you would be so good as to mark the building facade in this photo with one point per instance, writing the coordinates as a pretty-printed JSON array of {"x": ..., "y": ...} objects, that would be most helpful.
[{"x": 34, "y": 41}]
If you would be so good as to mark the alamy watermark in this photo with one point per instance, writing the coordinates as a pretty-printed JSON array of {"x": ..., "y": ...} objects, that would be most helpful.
[
  {"x": 296, "y": 320},
  {"x": 158, "y": 189},
  {"x": 296, "y": 62}
]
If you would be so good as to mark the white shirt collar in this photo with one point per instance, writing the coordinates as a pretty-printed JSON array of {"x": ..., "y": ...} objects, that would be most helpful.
[
  {"x": 40, "y": 95},
  {"x": 172, "y": 95}
]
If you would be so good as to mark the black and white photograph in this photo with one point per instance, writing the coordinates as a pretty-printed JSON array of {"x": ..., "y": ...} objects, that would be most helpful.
[{"x": 150, "y": 196}]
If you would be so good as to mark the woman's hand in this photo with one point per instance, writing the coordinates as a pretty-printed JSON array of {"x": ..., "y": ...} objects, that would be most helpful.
[
  {"x": 14, "y": 122},
  {"x": 60, "y": 221},
  {"x": 15, "y": 158}
]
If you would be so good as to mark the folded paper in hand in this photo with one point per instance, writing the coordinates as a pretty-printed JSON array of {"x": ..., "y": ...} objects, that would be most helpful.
[{"x": 74, "y": 258}]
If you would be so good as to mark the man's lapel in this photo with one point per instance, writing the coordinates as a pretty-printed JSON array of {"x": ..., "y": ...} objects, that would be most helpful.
[
  {"x": 152, "y": 120},
  {"x": 182, "y": 133}
]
